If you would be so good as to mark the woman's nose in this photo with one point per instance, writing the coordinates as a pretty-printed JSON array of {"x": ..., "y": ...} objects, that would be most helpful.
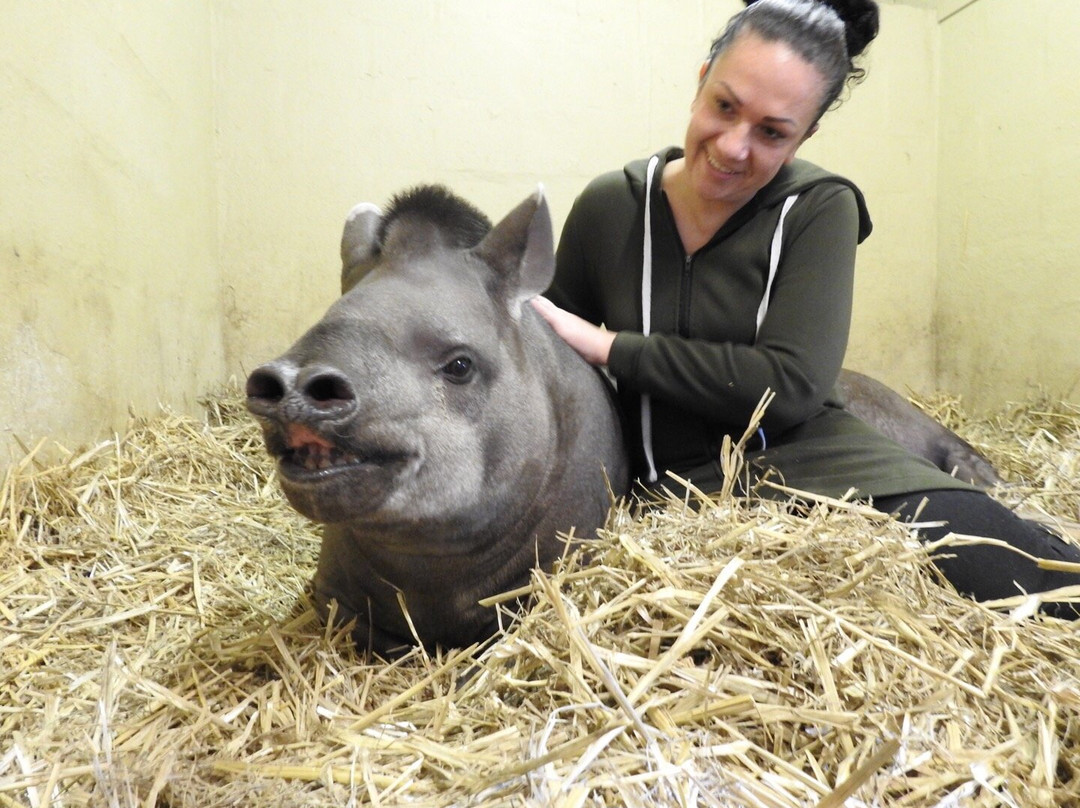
[{"x": 734, "y": 142}]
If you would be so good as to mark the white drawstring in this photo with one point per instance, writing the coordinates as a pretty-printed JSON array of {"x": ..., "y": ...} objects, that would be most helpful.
[
  {"x": 774, "y": 261},
  {"x": 774, "y": 264},
  {"x": 646, "y": 318}
]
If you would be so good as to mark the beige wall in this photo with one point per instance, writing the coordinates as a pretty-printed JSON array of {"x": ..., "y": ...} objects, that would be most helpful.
[
  {"x": 883, "y": 137},
  {"x": 175, "y": 174},
  {"x": 322, "y": 107},
  {"x": 108, "y": 285},
  {"x": 318, "y": 111},
  {"x": 1008, "y": 313}
]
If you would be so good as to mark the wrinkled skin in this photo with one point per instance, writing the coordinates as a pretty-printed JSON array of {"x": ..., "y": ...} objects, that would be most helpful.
[
  {"x": 897, "y": 418},
  {"x": 439, "y": 429}
]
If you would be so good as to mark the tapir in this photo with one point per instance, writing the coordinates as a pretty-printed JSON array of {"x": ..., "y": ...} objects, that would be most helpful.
[
  {"x": 434, "y": 423},
  {"x": 444, "y": 435},
  {"x": 897, "y": 418}
]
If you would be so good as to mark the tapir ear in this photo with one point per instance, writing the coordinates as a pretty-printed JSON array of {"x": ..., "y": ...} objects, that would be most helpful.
[
  {"x": 521, "y": 250},
  {"x": 359, "y": 244}
]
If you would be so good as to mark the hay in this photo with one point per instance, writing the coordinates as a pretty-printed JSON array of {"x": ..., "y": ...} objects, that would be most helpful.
[
  {"x": 1035, "y": 445},
  {"x": 157, "y": 649}
]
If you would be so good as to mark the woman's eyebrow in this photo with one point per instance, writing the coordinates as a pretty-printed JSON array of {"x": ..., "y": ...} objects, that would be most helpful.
[{"x": 739, "y": 102}]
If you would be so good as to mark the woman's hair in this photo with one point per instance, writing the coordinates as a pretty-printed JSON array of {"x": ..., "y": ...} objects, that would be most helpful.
[{"x": 828, "y": 34}]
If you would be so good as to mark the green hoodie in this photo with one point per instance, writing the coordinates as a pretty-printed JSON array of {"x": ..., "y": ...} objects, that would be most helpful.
[{"x": 706, "y": 362}]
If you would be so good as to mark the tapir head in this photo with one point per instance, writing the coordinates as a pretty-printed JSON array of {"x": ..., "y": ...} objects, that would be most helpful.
[{"x": 420, "y": 388}]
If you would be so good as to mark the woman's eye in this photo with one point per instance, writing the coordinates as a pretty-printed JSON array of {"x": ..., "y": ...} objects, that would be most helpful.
[{"x": 459, "y": 369}]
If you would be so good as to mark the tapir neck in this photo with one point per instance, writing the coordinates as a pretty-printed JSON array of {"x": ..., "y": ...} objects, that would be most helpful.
[
  {"x": 545, "y": 475},
  {"x": 440, "y": 587}
]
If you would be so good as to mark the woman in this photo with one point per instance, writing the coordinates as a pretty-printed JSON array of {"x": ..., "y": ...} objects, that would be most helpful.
[{"x": 725, "y": 268}]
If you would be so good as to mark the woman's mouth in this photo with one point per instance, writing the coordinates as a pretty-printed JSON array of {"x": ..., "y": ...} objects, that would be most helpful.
[{"x": 718, "y": 166}]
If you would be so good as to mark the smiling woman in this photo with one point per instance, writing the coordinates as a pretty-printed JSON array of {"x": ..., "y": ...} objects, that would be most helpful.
[
  {"x": 757, "y": 102},
  {"x": 724, "y": 270}
]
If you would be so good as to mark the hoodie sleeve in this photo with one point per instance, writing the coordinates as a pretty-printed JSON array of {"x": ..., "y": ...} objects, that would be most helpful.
[
  {"x": 571, "y": 289},
  {"x": 802, "y": 341},
  {"x": 597, "y": 263}
]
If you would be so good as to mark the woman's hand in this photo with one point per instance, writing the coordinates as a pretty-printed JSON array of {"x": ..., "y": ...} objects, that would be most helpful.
[{"x": 593, "y": 343}]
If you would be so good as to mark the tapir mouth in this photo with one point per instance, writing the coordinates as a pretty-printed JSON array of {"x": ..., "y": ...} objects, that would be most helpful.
[
  {"x": 303, "y": 454},
  {"x": 319, "y": 458}
]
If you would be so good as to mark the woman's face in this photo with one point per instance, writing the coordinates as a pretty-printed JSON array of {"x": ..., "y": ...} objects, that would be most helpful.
[{"x": 753, "y": 110}]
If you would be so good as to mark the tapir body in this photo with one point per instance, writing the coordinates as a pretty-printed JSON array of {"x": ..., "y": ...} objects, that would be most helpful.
[
  {"x": 436, "y": 425},
  {"x": 895, "y": 417},
  {"x": 445, "y": 435}
]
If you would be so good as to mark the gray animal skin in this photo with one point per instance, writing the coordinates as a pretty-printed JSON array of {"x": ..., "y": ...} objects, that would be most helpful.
[
  {"x": 435, "y": 425},
  {"x": 897, "y": 418}
]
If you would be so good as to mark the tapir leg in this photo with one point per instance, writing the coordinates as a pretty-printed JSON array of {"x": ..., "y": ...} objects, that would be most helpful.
[
  {"x": 337, "y": 583},
  {"x": 901, "y": 421}
]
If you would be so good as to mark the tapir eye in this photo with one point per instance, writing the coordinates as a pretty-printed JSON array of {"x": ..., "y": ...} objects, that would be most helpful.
[{"x": 459, "y": 369}]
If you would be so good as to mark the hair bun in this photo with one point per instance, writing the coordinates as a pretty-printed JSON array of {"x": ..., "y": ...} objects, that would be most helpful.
[
  {"x": 860, "y": 22},
  {"x": 860, "y": 18}
]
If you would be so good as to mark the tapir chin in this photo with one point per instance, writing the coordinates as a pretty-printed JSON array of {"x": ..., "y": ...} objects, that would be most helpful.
[
  {"x": 436, "y": 425},
  {"x": 442, "y": 433}
]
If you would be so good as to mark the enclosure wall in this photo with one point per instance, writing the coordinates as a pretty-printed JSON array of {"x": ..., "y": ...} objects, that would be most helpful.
[
  {"x": 109, "y": 285},
  {"x": 1008, "y": 297},
  {"x": 175, "y": 175},
  {"x": 327, "y": 105}
]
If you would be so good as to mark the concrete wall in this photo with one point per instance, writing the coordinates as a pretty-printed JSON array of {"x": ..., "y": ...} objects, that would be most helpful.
[
  {"x": 1008, "y": 295},
  {"x": 322, "y": 106},
  {"x": 318, "y": 111},
  {"x": 175, "y": 174},
  {"x": 109, "y": 289}
]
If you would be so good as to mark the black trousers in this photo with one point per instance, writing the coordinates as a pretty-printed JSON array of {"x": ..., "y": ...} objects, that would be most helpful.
[{"x": 986, "y": 572}]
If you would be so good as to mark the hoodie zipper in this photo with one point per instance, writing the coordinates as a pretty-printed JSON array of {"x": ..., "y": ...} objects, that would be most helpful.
[{"x": 682, "y": 325}]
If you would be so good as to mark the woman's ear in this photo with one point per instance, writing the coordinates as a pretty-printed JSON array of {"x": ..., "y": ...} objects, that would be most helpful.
[{"x": 806, "y": 137}]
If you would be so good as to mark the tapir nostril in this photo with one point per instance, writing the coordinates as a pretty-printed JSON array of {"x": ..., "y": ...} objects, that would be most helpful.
[
  {"x": 265, "y": 385},
  {"x": 329, "y": 391}
]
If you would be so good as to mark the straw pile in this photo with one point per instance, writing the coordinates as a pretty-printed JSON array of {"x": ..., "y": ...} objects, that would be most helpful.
[{"x": 156, "y": 649}]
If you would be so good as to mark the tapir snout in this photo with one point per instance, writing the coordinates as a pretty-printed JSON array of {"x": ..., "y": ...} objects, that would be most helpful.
[{"x": 284, "y": 392}]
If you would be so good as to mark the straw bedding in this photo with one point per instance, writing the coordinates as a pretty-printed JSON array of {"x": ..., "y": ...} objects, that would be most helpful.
[{"x": 157, "y": 649}]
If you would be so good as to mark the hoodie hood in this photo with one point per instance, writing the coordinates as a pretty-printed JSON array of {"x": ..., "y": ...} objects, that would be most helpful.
[{"x": 793, "y": 178}]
